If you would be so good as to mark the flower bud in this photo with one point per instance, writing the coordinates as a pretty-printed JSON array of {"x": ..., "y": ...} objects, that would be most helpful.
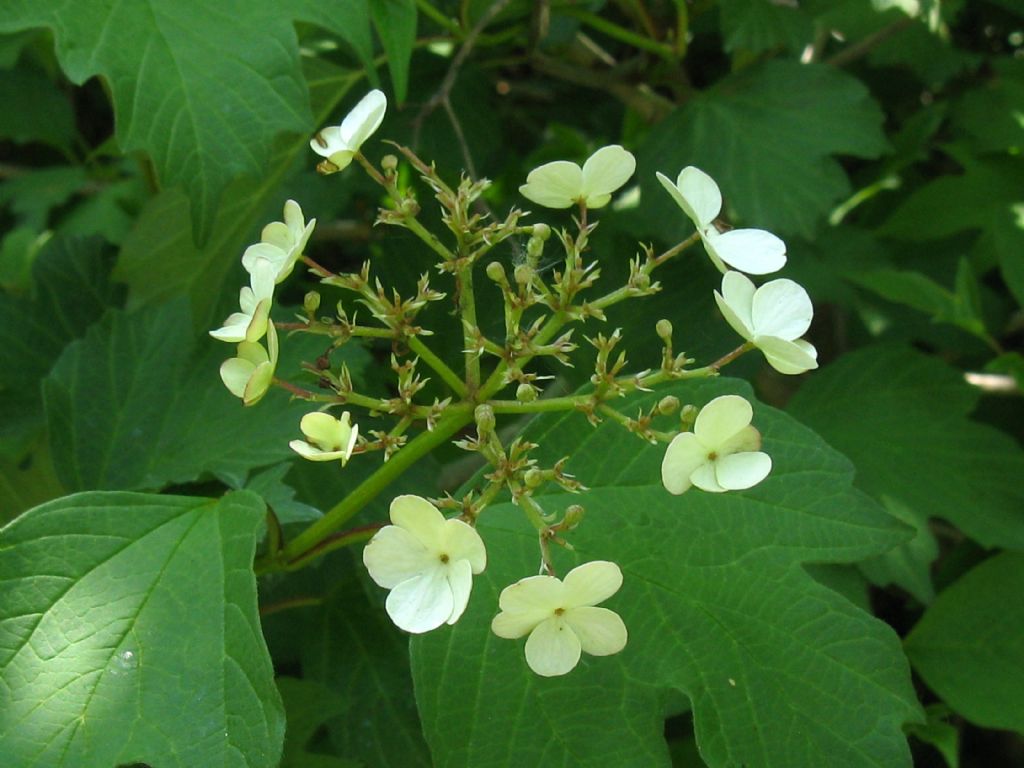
[
  {"x": 543, "y": 231},
  {"x": 389, "y": 163},
  {"x": 311, "y": 302},
  {"x": 643, "y": 281},
  {"x": 525, "y": 393},
  {"x": 496, "y": 272},
  {"x": 688, "y": 415},
  {"x": 523, "y": 274},
  {"x": 664, "y": 329},
  {"x": 534, "y": 247},
  {"x": 668, "y": 405},
  {"x": 409, "y": 206},
  {"x": 484, "y": 416},
  {"x": 533, "y": 477},
  {"x": 573, "y": 516}
]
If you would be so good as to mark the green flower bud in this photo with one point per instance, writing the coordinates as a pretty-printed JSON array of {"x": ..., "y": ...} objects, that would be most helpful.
[
  {"x": 525, "y": 393},
  {"x": 668, "y": 405},
  {"x": 573, "y": 516},
  {"x": 311, "y": 302},
  {"x": 543, "y": 231},
  {"x": 533, "y": 477},
  {"x": 534, "y": 247},
  {"x": 664, "y": 329},
  {"x": 484, "y": 416},
  {"x": 389, "y": 162},
  {"x": 496, "y": 272},
  {"x": 523, "y": 274}
]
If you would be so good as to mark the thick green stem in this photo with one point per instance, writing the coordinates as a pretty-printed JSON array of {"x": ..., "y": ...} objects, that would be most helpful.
[
  {"x": 467, "y": 310},
  {"x": 426, "y": 354}
]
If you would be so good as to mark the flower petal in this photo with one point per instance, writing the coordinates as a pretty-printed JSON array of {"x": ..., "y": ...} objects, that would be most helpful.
[
  {"x": 462, "y": 542},
  {"x": 527, "y": 603},
  {"x": 721, "y": 419},
  {"x": 460, "y": 580},
  {"x": 323, "y": 430},
  {"x": 781, "y": 308},
  {"x": 601, "y": 632},
  {"x": 421, "y": 603},
  {"x": 735, "y": 302},
  {"x": 394, "y": 555},
  {"x": 552, "y": 648},
  {"x": 604, "y": 172},
  {"x": 234, "y": 328},
  {"x": 701, "y": 194},
  {"x": 705, "y": 478},
  {"x": 307, "y": 451},
  {"x": 327, "y": 141},
  {"x": 747, "y": 439},
  {"x": 753, "y": 251},
  {"x": 742, "y": 470},
  {"x": 682, "y": 457},
  {"x": 554, "y": 185},
  {"x": 420, "y": 518},
  {"x": 259, "y": 383},
  {"x": 789, "y": 357},
  {"x": 364, "y": 119},
  {"x": 235, "y": 373},
  {"x": 591, "y": 583}
]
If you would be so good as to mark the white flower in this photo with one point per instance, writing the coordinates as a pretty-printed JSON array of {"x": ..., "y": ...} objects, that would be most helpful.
[
  {"x": 561, "y": 617},
  {"x": 255, "y": 300},
  {"x": 281, "y": 243},
  {"x": 750, "y": 250},
  {"x": 249, "y": 375},
  {"x": 773, "y": 317},
  {"x": 562, "y": 184},
  {"x": 326, "y": 437},
  {"x": 339, "y": 143},
  {"x": 721, "y": 454},
  {"x": 427, "y": 562}
]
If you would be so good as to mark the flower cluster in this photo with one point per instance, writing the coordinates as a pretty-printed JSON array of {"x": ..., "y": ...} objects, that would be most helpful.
[
  {"x": 425, "y": 559},
  {"x": 248, "y": 375}
]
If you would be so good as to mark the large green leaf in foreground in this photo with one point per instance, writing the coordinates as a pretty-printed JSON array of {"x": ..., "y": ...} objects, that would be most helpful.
[
  {"x": 129, "y": 633},
  {"x": 188, "y": 85},
  {"x": 780, "y": 670}
]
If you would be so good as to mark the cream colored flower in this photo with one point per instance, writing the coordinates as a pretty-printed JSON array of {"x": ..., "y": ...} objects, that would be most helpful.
[
  {"x": 281, "y": 242},
  {"x": 255, "y": 301},
  {"x": 427, "y": 562},
  {"x": 339, "y": 144},
  {"x": 560, "y": 617},
  {"x": 754, "y": 251},
  {"x": 249, "y": 375},
  {"x": 562, "y": 184},
  {"x": 722, "y": 453},
  {"x": 327, "y": 438},
  {"x": 772, "y": 317}
]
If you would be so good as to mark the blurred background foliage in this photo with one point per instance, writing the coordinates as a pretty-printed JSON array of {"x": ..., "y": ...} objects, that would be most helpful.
[{"x": 881, "y": 139}]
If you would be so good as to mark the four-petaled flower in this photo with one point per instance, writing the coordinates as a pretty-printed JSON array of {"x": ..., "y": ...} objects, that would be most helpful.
[
  {"x": 427, "y": 562},
  {"x": 721, "y": 454},
  {"x": 561, "y": 617},
  {"x": 750, "y": 250},
  {"x": 772, "y": 317},
  {"x": 254, "y": 299},
  {"x": 326, "y": 437},
  {"x": 249, "y": 375},
  {"x": 281, "y": 242},
  {"x": 562, "y": 184},
  {"x": 340, "y": 143}
]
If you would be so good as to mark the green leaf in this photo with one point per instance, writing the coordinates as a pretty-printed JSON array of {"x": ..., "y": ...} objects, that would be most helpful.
[
  {"x": 969, "y": 645},
  {"x": 986, "y": 198},
  {"x": 938, "y": 732},
  {"x": 767, "y": 134},
  {"x": 159, "y": 261},
  {"x": 352, "y": 648},
  {"x": 902, "y": 418},
  {"x": 34, "y": 109},
  {"x": 139, "y": 406},
  {"x": 760, "y": 25},
  {"x": 395, "y": 21},
  {"x": 26, "y": 479},
  {"x": 718, "y": 607},
  {"x": 992, "y": 114},
  {"x": 33, "y": 195},
  {"x": 308, "y": 706},
  {"x": 349, "y": 20},
  {"x": 129, "y": 633},
  {"x": 189, "y": 85},
  {"x": 269, "y": 485}
]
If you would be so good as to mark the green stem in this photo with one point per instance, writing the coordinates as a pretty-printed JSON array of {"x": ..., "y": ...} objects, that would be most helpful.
[
  {"x": 621, "y": 33},
  {"x": 426, "y": 354},
  {"x": 467, "y": 309},
  {"x": 297, "y": 550}
]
